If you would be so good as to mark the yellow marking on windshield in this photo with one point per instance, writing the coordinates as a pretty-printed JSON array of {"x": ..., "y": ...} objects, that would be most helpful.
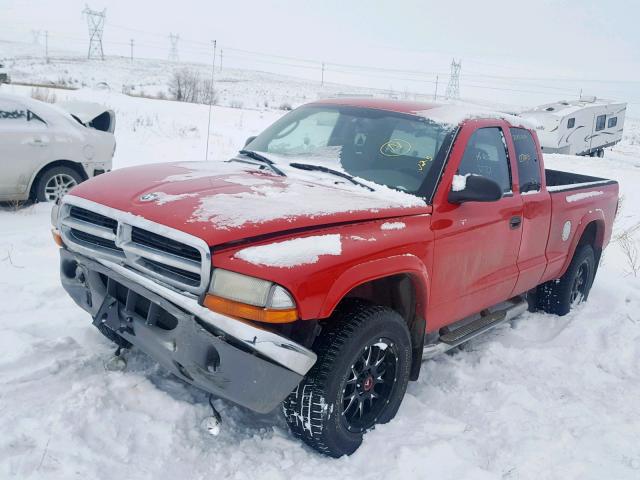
[{"x": 395, "y": 148}]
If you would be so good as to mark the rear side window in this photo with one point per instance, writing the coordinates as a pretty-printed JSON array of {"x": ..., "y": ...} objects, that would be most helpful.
[
  {"x": 528, "y": 161},
  {"x": 486, "y": 155},
  {"x": 613, "y": 121},
  {"x": 601, "y": 121},
  {"x": 13, "y": 114},
  {"x": 571, "y": 123}
]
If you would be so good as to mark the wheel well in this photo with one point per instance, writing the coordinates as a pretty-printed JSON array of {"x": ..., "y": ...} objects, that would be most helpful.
[
  {"x": 397, "y": 292},
  {"x": 592, "y": 235},
  {"x": 58, "y": 163}
]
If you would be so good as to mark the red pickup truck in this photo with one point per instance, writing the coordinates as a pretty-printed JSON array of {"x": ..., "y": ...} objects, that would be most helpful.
[{"x": 349, "y": 241}]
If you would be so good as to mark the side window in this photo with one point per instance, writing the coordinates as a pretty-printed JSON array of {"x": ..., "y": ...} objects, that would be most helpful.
[
  {"x": 310, "y": 133},
  {"x": 486, "y": 154},
  {"x": 528, "y": 162},
  {"x": 601, "y": 121},
  {"x": 571, "y": 123},
  {"x": 15, "y": 115},
  {"x": 613, "y": 121}
]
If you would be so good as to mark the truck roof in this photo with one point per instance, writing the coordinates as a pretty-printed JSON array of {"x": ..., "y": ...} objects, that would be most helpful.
[
  {"x": 398, "y": 106},
  {"x": 445, "y": 113}
]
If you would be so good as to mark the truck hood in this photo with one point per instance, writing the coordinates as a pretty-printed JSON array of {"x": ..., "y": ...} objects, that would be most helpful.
[{"x": 226, "y": 202}]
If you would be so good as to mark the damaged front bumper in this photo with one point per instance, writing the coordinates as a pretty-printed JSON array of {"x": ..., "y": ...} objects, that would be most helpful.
[{"x": 227, "y": 357}]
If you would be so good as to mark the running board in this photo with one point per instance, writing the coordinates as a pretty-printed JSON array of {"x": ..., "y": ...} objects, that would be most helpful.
[{"x": 477, "y": 327}]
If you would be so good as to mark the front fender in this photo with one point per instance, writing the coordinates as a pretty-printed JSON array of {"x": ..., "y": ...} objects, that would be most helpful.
[{"x": 375, "y": 269}]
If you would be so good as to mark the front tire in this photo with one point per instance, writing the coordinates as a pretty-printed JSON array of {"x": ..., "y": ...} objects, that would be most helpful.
[
  {"x": 55, "y": 182},
  {"x": 359, "y": 380},
  {"x": 559, "y": 296}
]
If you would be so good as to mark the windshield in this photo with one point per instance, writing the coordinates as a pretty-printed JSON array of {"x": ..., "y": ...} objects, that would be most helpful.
[{"x": 397, "y": 150}]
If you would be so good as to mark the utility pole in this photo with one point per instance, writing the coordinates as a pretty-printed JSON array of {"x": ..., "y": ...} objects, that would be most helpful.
[
  {"x": 221, "y": 55},
  {"x": 131, "y": 43},
  {"x": 46, "y": 45},
  {"x": 173, "y": 52},
  {"x": 95, "y": 22},
  {"x": 435, "y": 95},
  {"x": 211, "y": 93},
  {"x": 453, "y": 87},
  {"x": 322, "y": 79}
]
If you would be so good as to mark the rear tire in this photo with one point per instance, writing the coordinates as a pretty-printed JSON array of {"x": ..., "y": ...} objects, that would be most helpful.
[
  {"x": 559, "y": 296},
  {"x": 359, "y": 380},
  {"x": 54, "y": 183}
]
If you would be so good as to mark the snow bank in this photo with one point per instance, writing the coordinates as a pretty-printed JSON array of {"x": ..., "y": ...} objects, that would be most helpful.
[{"x": 291, "y": 253}]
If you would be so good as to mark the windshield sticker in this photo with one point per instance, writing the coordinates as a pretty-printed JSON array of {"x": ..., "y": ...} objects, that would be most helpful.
[
  {"x": 423, "y": 163},
  {"x": 395, "y": 148}
]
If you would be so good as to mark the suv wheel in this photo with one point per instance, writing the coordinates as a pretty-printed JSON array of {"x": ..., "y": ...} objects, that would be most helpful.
[
  {"x": 359, "y": 380},
  {"x": 55, "y": 183},
  {"x": 559, "y": 296}
]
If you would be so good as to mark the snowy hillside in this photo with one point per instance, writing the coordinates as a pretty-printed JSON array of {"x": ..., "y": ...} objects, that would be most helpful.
[{"x": 541, "y": 398}]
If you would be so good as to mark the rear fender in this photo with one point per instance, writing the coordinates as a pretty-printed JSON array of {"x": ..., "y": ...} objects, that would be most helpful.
[{"x": 596, "y": 216}]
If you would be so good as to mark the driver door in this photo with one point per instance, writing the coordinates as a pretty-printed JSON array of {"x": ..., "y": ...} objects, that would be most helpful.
[{"x": 476, "y": 244}]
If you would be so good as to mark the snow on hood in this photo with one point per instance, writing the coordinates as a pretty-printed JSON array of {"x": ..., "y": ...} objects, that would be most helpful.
[
  {"x": 223, "y": 202},
  {"x": 294, "y": 252}
]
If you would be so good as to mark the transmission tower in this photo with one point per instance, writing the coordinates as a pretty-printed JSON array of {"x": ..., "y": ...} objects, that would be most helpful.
[
  {"x": 95, "y": 22},
  {"x": 453, "y": 87},
  {"x": 36, "y": 36},
  {"x": 173, "y": 53}
]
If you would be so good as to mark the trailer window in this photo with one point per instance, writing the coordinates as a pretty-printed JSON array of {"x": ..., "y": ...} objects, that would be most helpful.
[
  {"x": 571, "y": 123},
  {"x": 601, "y": 121},
  {"x": 528, "y": 162},
  {"x": 486, "y": 155},
  {"x": 613, "y": 121}
]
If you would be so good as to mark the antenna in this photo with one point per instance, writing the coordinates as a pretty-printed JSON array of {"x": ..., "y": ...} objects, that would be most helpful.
[
  {"x": 213, "y": 69},
  {"x": 453, "y": 87},
  {"x": 173, "y": 52},
  {"x": 95, "y": 22}
]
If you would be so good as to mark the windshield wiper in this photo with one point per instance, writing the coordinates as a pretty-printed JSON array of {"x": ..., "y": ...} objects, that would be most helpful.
[
  {"x": 320, "y": 168},
  {"x": 262, "y": 159}
]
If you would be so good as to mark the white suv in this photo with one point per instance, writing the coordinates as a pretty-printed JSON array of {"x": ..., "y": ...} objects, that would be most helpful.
[{"x": 45, "y": 150}]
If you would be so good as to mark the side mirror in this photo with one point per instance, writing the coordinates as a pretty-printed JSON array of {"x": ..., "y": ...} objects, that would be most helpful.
[
  {"x": 475, "y": 188},
  {"x": 249, "y": 140}
]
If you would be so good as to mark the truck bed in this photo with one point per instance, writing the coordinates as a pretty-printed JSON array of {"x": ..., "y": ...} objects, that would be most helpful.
[{"x": 559, "y": 181}]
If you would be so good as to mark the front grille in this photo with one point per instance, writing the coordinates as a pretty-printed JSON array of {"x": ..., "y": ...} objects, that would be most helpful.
[
  {"x": 94, "y": 240},
  {"x": 165, "y": 244},
  {"x": 94, "y": 218},
  {"x": 170, "y": 257}
]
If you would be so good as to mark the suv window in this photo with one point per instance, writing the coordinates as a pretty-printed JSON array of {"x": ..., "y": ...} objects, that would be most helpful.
[
  {"x": 571, "y": 122},
  {"x": 613, "y": 121},
  {"x": 600, "y": 122},
  {"x": 486, "y": 154},
  {"x": 308, "y": 134},
  {"x": 528, "y": 162}
]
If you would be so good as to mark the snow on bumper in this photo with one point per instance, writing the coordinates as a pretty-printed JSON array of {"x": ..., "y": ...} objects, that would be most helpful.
[{"x": 231, "y": 359}]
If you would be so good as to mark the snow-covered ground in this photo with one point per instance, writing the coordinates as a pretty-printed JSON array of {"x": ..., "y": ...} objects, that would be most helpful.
[{"x": 541, "y": 398}]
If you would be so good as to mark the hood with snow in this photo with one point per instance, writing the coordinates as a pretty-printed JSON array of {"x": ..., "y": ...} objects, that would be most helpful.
[{"x": 222, "y": 202}]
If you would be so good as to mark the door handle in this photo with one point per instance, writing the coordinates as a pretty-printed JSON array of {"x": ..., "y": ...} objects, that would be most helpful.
[
  {"x": 38, "y": 142},
  {"x": 515, "y": 221}
]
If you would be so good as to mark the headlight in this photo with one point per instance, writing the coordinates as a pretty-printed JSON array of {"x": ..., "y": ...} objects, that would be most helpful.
[{"x": 242, "y": 296}]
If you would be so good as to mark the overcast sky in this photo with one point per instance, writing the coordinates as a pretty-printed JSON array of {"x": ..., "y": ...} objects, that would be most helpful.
[{"x": 552, "y": 48}]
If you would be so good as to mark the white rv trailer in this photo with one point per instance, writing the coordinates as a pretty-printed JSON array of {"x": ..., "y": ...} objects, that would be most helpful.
[{"x": 578, "y": 127}]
